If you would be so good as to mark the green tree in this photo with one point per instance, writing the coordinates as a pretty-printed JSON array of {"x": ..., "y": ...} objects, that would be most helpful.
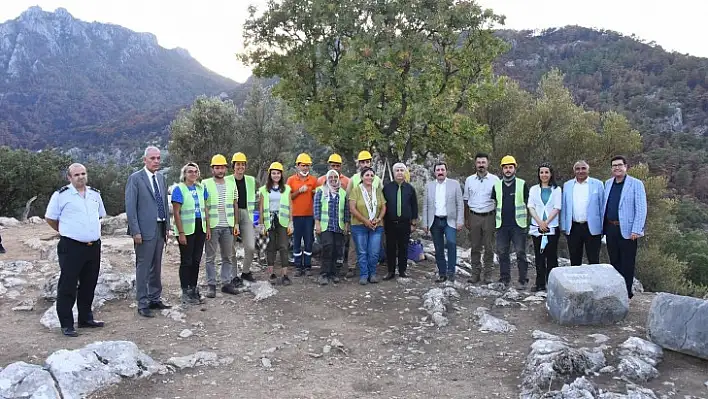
[
  {"x": 391, "y": 76},
  {"x": 110, "y": 179},
  {"x": 205, "y": 129}
]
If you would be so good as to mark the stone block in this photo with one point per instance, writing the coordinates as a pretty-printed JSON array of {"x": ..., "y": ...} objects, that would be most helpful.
[
  {"x": 587, "y": 295},
  {"x": 679, "y": 323}
]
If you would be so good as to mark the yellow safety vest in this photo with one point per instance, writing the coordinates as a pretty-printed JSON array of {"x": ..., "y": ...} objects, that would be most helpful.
[
  {"x": 283, "y": 211},
  {"x": 213, "y": 201},
  {"x": 187, "y": 210},
  {"x": 520, "y": 212},
  {"x": 324, "y": 214}
]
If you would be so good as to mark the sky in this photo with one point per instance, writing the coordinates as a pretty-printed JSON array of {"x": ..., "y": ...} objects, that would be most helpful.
[{"x": 211, "y": 29}]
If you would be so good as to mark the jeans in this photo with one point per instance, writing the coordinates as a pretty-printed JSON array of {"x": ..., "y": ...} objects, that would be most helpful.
[
  {"x": 222, "y": 239},
  {"x": 368, "y": 245},
  {"x": 303, "y": 230},
  {"x": 505, "y": 236},
  {"x": 623, "y": 254},
  {"x": 444, "y": 237},
  {"x": 546, "y": 261},
  {"x": 332, "y": 245},
  {"x": 398, "y": 233},
  {"x": 191, "y": 256}
]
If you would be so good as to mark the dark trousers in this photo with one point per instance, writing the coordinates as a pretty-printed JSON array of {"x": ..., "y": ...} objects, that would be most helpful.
[
  {"x": 304, "y": 230},
  {"x": 332, "y": 247},
  {"x": 277, "y": 243},
  {"x": 505, "y": 236},
  {"x": 79, "y": 264},
  {"x": 546, "y": 260},
  {"x": 191, "y": 256},
  {"x": 622, "y": 253},
  {"x": 580, "y": 237},
  {"x": 398, "y": 234}
]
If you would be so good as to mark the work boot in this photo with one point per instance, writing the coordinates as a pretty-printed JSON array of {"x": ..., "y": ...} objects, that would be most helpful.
[
  {"x": 248, "y": 277},
  {"x": 322, "y": 280},
  {"x": 522, "y": 286},
  {"x": 286, "y": 280},
  {"x": 308, "y": 272},
  {"x": 300, "y": 273},
  {"x": 273, "y": 279},
  {"x": 197, "y": 295},
  {"x": 227, "y": 289},
  {"x": 350, "y": 273},
  {"x": 390, "y": 276},
  {"x": 236, "y": 282},
  {"x": 211, "y": 291},
  {"x": 402, "y": 275},
  {"x": 335, "y": 279},
  {"x": 441, "y": 279},
  {"x": 188, "y": 296},
  {"x": 363, "y": 280},
  {"x": 451, "y": 278}
]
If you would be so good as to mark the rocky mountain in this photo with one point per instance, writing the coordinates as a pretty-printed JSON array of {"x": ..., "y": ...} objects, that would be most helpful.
[{"x": 65, "y": 82}]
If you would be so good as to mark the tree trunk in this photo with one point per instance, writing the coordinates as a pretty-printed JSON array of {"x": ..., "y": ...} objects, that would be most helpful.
[{"x": 28, "y": 205}]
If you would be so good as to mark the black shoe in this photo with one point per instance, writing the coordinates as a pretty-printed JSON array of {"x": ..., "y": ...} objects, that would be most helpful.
[
  {"x": 300, "y": 273},
  {"x": 286, "y": 280},
  {"x": 451, "y": 278},
  {"x": 402, "y": 275},
  {"x": 146, "y": 313},
  {"x": 236, "y": 282},
  {"x": 69, "y": 332},
  {"x": 390, "y": 276},
  {"x": 2, "y": 249},
  {"x": 248, "y": 277},
  {"x": 227, "y": 289},
  {"x": 441, "y": 279},
  {"x": 159, "y": 305},
  {"x": 91, "y": 324}
]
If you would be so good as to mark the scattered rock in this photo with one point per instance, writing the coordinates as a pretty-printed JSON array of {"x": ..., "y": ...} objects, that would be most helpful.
[
  {"x": 637, "y": 287},
  {"x": 84, "y": 371},
  {"x": 26, "y": 305},
  {"x": 50, "y": 319},
  {"x": 534, "y": 298},
  {"x": 440, "y": 320},
  {"x": 638, "y": 359},
  {"x": 35, "y": 220},
  {"x": 23, "y": 380},
  {"x": 195, "y": 360},
  {"x": 262, "y": 290},
  {"x": 501, "y": 302},
  {"x": 489, "y": 323},
  {"x": 174, "y": 314},
  {"x": 538, "y": 334},
  {"x": 512, "y": 294},
  {"x": 599, "y": 338},
  {"x": 636, "y": 369},
  {"x": 679, "y": 323},
  {"x": 435, "y": 303},
  {"x": 608, "y": 370},
  {"x": 483, "y": 292},
  {"x": 587, "y": 295},
  {"x": 186, "y": 333},
  {"x": 9, "y": 222},
  {"x": 266, "y": 363}
]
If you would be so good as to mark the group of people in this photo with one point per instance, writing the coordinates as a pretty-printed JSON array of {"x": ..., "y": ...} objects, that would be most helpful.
[{"x": 214, "y": 214}]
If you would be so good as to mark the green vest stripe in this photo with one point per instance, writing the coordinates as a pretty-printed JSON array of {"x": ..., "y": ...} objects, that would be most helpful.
[
  {"x": 251, "y": 202},
  {"x": 520, "y": 212},
  {"x": 324, "y": 216},
  {"x": 356, "y": 179},
  {"x": 283, "y": 211},
  {"x": 186, "y": 211},
  {"x": 213, "y": 201}
]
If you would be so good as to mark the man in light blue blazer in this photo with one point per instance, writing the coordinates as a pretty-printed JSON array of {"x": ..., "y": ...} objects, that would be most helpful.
[
  {"x": 581, "y": 215},
  {"x": 624, "y": 215}
]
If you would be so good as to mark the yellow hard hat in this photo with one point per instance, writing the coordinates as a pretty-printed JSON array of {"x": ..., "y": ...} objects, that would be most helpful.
[
  {"x": 364, "y": 156},
  {"x": 303, "y": 159},
  {"x": 276, "y": 166},
  {"x": 239, "y": 157},
  {"x": 508, "y": 160},
  {"x": 218, "y": 160},
  {"x": 334, "y": 158}
]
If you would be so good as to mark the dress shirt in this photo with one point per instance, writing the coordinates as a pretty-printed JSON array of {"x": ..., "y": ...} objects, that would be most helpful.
[
  {"x": 478, "y": 193},
  {"x": 79, "y": 217},
  {"x": 440, "y": 198},
  {"x": 581, "y": 199},
  {"x": 152, "y": 188}
]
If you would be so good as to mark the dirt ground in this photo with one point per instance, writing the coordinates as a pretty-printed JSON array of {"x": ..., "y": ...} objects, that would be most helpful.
[{"x": 390, "y": 351}]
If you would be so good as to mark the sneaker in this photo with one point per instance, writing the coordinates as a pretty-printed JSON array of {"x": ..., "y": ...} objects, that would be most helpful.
[
  {"x": 308, "y": 272},
  {"x": 300, "y": 273},
  {"x": 188, "y": 297},
  {"x": 350, "y": 273},
  {"x": 363, "y": 281},
  {"x": 322, "y": 280},
  {"x": 522, "y": 286},
  {"x": 211, "y": 291},
  {"x": 248, "y": 277},
  {"x": 198, "y": 295},
  {"x": 403, "y": 275},
  {"x": 389, "y": 276},
  {"x": 273, "y": 278},
  {"x": 373, "y": 279},
  {"x": 237, "y": 282},
  {"x": 441, "y": 279},
  {"x": 335, "y": 279},
  {"x": 286, "y": 280},
  {"x": 227, "y": 289},
  {"x": 2, "y": 249},
  {"x": 451, "y": 278}
]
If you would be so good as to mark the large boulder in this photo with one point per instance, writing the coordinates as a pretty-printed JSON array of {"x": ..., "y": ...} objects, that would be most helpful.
[
  {"x": 23, "y": 380},
  {"x": 587, "y": 295},
  {"x": 679, "y": 323}
]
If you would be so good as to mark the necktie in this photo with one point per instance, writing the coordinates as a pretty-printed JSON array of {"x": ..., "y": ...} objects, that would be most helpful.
[
  {"x": 398, "y": 202},
  {"x": 158, "y": 200}
]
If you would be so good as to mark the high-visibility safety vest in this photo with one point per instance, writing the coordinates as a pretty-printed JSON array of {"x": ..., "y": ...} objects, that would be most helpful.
[
  {"x": 324, "y": 214},
  {"x": 283, "y": 211},
  {"x": 250, "y": 193},
  {"x": 187, "y": 210},
  {"x": 213, "y": 201},
  {"x": 520, "y": 213},
  {"x": 356, "y": 179}
]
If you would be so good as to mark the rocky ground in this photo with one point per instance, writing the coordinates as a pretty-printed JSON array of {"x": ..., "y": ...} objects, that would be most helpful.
[{"x": 397, "y": 339}]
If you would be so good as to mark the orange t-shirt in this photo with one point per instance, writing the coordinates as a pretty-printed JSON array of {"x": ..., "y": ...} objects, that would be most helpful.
[
  {"x": 304, "y": 203},
  {"x": 343, "y": 180}
]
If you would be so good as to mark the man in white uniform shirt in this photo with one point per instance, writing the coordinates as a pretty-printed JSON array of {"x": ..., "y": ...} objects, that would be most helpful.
[
  {"x": 480, "y": 219},
  {"x": 75, "y": 211}
]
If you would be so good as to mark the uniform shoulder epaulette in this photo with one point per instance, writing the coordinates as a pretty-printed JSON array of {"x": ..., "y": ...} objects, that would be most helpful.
[
  {"x": 61, "y": 190},
  {"x": 95, "y": 189}
]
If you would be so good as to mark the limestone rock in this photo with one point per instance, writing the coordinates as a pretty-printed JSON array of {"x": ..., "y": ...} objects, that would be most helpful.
[
  {"x": 679, "y": 323},
  {"x": 186, "y": 333},
  {"x": 587, "y": 295},
  {"x": 23, "y": 380},
  {"x": 50, "y": 319},
  {"x": 9, "y": 222},
  {"x": 84, "y": 371},
  {"x": 35, "y": 220},
  {"x": 489, "y": 323},
  {"x": 638, "y": 359},
  {"x": 262, "y": 290},
  {"x": 195, "y": 360},
  {"x": 114, "y": 224}
]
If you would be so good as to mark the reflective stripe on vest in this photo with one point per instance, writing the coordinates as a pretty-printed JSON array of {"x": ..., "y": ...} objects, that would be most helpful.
[
  {"x": 250, "y": 193},
  {"x": 213, "y": 201},
  {"x": 356, "y": 179},
  {"x": 283, "y": 211},
  {"x": 520, "y": 213},
  {"x": 187, "y": 210},
  {"x": 324, "y": 214}
]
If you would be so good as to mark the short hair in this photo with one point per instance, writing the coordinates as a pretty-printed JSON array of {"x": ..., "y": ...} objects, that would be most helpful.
[
  {"x": 481, "y": 155},
  {"x": 183, "y": 172},
  {"x": 148, "y": 148},
  {"x": 399, "y": 165},
  {"x": 73, "y": 165},
  {"x": 438, "y": 163},
  {"x": 581, "y": 162},
  {"x": 619, "y": 158}
]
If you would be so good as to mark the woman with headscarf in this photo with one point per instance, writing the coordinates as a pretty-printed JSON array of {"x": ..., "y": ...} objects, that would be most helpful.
[
  {"x": 368, "y": 206},
  {"x": 276, "y": 220},
  {"x": 191, "y": 226},
  {"x": 332, "y": 219},
  {"x": 544, "y": 205}
]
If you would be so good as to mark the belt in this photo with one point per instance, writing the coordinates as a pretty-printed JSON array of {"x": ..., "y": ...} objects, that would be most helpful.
[
  {"x": 614, "y": 222},
  {"x": 483, "y": 213},
  {"x": 406, "y": 221},
  {"x": 88, "y": 244},
  {"x": 440, "y": 217},
  {"x": 574, "y": 222}
]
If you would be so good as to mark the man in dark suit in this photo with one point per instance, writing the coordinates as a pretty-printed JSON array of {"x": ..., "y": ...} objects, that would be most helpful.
[{"x": 148, "y": 224}]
